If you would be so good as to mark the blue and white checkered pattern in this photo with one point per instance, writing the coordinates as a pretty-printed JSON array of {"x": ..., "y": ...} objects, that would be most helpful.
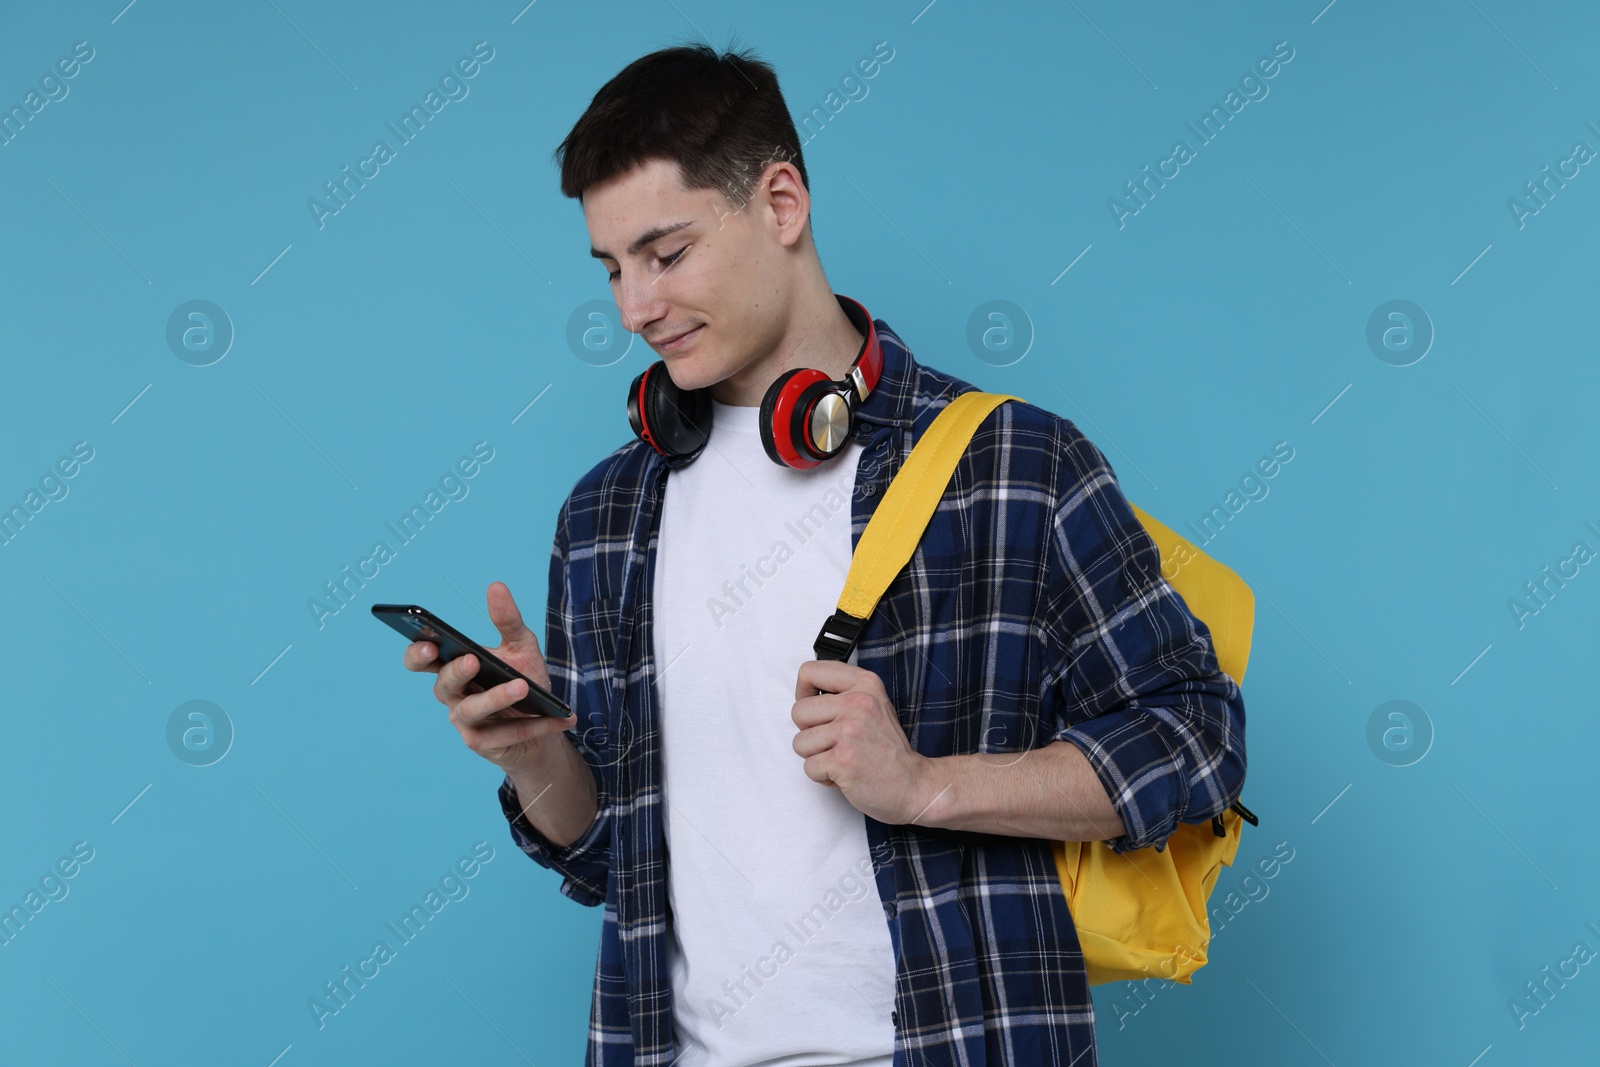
[{"x": 1032, "y": 611}]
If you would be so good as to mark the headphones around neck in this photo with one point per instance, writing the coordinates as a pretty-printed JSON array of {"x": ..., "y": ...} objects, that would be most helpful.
[{"x": 805, "y": 416}]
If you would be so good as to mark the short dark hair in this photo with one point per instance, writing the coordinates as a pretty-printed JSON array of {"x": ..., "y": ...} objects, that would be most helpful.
[{"x": 720, "y": 116}]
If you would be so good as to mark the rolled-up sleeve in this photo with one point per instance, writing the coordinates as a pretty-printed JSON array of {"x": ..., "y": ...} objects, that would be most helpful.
[
  {"x": 1133, "y": 679},
  {"x": 585, "y": 863}
]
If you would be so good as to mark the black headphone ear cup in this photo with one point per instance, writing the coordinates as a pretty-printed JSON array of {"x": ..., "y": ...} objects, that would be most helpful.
[
  {"x": 679, "y": 422},
  {"x": 769, "y": 401}
]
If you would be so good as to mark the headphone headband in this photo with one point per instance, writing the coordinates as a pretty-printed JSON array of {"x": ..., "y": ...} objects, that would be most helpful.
[{"x": 867, "y": 368}]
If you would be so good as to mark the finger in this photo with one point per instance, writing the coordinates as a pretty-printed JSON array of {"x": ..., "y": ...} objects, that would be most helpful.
[
  {"x": 505, "y": 616},
  {"x": 421, "y": 656},
  {"x": 815, "y": 710},
  {"x": 492, "y": 737},
  {"x": 816, "y": 769},
  {"x": 829, "y": 676},
  {"x": 475, "y": 707},
  {"x": 453, "y": 679},
  {"x": 808, "y": 743}
]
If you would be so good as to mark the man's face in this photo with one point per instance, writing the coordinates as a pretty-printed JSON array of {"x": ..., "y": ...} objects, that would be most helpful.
[{"x": 697, "y": 277}]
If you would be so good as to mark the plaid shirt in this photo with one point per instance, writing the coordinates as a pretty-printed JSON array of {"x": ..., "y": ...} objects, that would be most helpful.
[{"x": 1032, "y": 611}]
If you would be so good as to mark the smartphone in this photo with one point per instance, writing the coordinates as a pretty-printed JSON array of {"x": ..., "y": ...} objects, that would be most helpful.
[{"x": 420, "y": 624}]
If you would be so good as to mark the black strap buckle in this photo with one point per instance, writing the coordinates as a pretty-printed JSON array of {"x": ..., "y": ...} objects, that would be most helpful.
[
  {"x": 1244, "y": 813},
  {"x": 837, "y": 638}
]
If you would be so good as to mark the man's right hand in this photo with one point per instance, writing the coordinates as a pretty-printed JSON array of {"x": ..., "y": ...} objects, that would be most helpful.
[{"x": 510, "y": 739}]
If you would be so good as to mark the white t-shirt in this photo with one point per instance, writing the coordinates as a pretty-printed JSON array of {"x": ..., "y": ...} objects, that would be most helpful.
[{"x": 780, "y": 953}]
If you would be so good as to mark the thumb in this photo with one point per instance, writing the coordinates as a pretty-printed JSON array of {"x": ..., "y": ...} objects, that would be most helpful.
[{"x": 506, "y": 618}]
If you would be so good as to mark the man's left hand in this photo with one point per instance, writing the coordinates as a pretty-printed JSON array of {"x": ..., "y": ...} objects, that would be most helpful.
[{"x": 851, "y": 738}]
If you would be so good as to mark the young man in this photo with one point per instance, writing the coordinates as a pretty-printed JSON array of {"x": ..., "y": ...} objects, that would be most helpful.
[{"x": 810, "y": 861}]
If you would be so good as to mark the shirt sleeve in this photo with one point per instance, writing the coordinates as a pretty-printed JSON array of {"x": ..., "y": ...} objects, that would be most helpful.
[
  {"x": 1133, "y": 679},
  {"x": 584, "y": 864}
]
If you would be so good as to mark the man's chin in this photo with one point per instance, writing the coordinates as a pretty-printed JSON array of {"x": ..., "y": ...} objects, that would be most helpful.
[{"x": 689, "y": 373}]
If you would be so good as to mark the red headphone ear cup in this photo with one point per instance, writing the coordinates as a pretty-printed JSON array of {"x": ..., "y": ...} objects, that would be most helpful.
[
  {"x": 764, "y": 419},
  {"x": 786, "y": 405}
]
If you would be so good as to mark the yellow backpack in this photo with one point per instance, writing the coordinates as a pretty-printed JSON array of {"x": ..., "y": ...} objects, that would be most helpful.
[
  {"x": 1142, "y": 914},
  {"x": 1139, "y": 914}
]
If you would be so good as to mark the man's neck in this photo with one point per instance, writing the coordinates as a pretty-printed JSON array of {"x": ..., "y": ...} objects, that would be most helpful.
[{"x": 822, "y": 336}]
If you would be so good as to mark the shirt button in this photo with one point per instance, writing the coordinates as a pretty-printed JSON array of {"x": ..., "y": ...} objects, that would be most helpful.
[
  {"x": 894, "y": 1019},
  {"x": 869, "y": 489},
  {"x": 889, "y": 908}
]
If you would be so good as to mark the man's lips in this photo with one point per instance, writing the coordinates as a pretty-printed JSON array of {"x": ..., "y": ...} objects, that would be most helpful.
[{"x": 680, "y": 339}]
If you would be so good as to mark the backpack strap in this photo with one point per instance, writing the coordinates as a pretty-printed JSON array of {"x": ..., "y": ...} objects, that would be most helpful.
[
  {"x": 896, "y": 526},
  {"x": 891, "y": 536}
]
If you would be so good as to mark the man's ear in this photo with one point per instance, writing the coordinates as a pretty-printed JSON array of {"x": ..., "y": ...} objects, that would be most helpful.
[{"x": 785, "y": 199}]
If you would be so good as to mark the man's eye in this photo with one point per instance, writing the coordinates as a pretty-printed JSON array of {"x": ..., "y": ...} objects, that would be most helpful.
[{"x": 665, "y": 261}]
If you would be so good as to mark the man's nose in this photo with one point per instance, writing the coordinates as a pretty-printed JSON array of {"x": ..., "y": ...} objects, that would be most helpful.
[{"x": 638, "y": 302}]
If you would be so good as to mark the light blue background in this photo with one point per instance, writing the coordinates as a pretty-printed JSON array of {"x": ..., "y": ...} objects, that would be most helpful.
[{"x": 1225, "y": 316}]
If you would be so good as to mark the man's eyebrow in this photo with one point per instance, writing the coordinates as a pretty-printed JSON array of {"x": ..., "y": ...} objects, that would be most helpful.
[{"x": 655, "y": 233}]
